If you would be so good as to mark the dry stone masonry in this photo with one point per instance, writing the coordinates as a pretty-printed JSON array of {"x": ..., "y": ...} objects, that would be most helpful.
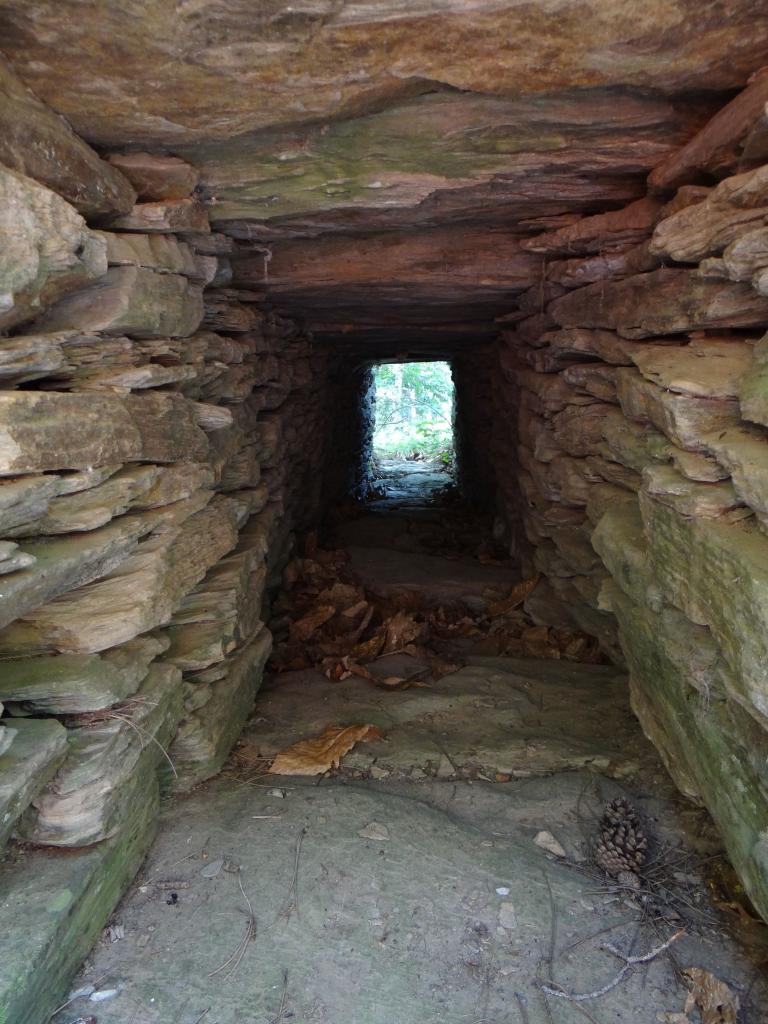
[
  {"x": 199, "y": 267},
  {"x": 160, "y": 438},
  {"x": 638, "y": 429}
]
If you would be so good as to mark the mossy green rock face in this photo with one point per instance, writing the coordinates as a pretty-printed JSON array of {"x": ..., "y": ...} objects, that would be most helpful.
[
  {"x": 37, "y": 748},
  {"x": 52, "y": 908},
  {"x": 713, "y": 749},
  {"x": 428, "y": 146},
  {"x": 717, "y": 574},
  {"x": 108, "y": 766},
  {"x": 206, "y": 736},
  {"x": 619, "y": 539}
]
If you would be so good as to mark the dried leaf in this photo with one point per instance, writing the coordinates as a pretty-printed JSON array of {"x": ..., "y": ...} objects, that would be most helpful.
[
  {"x": 355, "y": 609},
  {"x": 303, "y": 628},
  {"x": 292, "y": 572},
  {"x": 359, "y": 670},
  {"x": 369, "y": 649},
  {"x": 318, "y": 755},
  {"x": 401, "y": 630},
  {"x": 341, "y": 596},
  {"x": 515, "y": 598},
  {"x": 717, "y": 1003}
]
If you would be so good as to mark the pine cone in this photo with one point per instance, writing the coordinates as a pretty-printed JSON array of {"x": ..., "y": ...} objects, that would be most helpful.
[{"x": 621, "y": 845}]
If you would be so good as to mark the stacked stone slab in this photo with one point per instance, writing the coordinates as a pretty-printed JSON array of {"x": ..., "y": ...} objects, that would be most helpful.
[
  {"x": 643, "y": 480},
  {"x": 160, "y": 438}
]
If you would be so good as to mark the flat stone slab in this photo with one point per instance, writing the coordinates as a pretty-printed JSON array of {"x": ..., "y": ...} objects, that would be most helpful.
[
  {"x": 52, "y": 908},
  {"x": 36, "y": 751},
  {"x": 506, "y": 715},
  {"x": 437, "y": 580},
  {"x": 378, "y": 903}
]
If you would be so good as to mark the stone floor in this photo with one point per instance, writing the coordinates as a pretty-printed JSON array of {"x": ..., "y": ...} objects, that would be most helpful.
[
  {"x": 409, "y": 483},
  {"x": 407, "y": 887}
]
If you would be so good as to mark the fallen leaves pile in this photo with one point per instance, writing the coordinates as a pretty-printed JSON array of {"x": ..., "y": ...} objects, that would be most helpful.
[{"x": 323, "y": 618}]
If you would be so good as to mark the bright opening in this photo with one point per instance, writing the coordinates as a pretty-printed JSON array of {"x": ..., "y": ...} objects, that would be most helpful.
[{"x": 413, "y": 443}]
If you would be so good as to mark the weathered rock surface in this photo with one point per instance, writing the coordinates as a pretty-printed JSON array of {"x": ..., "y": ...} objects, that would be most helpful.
[
  {"x": 217, "y": 76},
  {"x": 705, "y": 229},
  {"x": 685, "y": 419},
  {"x": 67, "y": 900},
  {"x": 36, "y": 142},
  {"x": 44, "y": 431},
  {"x": 393, "y": 276},
  {"x": 206, "y": 736},
  {"x": 130, "y": 300},
  {"x": 62, "y": 563},
  {"x": 184, "y": 216},
  {"x": 74, "y": 683},
  {"x": 140, "y": 594},
  {"x": 705, "y": 741},
  {"x": 722, "y": 146},
  {"x": 707, "y": 367},
  {"x": 108, "y": 765},
  {"x": 38, "y": 747},
  {"x": 699, "y": 562},
  {"x": 423, "y": 162},
  {"x": 47, "y": 250},
  {"x": 156, "y": 178},
  {"x": 618, "y": 229},
  {"x": 663, "y": 302}
]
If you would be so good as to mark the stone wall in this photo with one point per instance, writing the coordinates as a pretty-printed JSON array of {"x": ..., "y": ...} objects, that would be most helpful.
[
  {"x": 642, "y": 468},
  {"x": 161, "y": 440},
  {"x": 164, "y": 435}
]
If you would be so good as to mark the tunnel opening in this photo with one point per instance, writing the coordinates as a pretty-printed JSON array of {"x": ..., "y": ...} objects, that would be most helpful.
[
  {"x": 424, "y": 730},
  {"x": 413, "y": 432}
]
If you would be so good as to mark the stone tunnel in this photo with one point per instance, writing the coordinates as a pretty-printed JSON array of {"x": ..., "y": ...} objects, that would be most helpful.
[{"x": 216, "y": 218}]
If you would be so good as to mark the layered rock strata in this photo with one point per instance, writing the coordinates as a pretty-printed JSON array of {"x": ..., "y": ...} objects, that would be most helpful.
[
  {"x": 160, "y": 441},
  {"x": 639, "y": 432}
]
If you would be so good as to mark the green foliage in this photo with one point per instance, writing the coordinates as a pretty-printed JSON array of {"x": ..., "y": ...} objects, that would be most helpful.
[{"x": 414, "y": 410}]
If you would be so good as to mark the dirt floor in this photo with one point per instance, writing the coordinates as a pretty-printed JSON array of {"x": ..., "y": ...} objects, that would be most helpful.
[{"x": 444, "y": 873}]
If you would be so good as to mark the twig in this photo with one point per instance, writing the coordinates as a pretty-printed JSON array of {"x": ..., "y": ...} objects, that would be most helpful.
[
  {"x": 73, "y": 998},
  {"x": 292, "y": 898},
  {"x": 523, "y": 1006},
  {"x": 281, "y": 1010},
  {"x": 629, "y": 963},
  {"x": 198, "y": 1019},
  {"x": 144, "y": 735},
  {"x": 233, "y": 962}
]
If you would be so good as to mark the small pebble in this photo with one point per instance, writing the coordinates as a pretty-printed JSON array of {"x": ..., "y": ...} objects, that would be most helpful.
[
  {"x": 103, "y": 994},
  {"x": 213, "y": 869},
  {"x": 548, "y": 842},
  {"x": 375, "y": 830},
  {"x": 502, "y": 890}
]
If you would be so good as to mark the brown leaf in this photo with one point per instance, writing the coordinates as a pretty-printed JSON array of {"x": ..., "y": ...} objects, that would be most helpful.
[
  {"x": 516, "y": 596},
  {"x": 292, "y": 572},
  {"x": 303, "y": 628},
  {"x": 359, "y": 670},
  {"x": 341, "y": 596},
  {"x": 401, "y": 630},
  {"x": 364, "y": 622},
  {"x": 355, "y": 609},
  {"x": 718, "y": 1003},
  {"x": 318, "y": 755},
  {"x": 369, "y": 649}
]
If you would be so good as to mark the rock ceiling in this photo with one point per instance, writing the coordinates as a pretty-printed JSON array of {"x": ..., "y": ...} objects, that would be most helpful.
[{"x": 383, "y": 155}]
